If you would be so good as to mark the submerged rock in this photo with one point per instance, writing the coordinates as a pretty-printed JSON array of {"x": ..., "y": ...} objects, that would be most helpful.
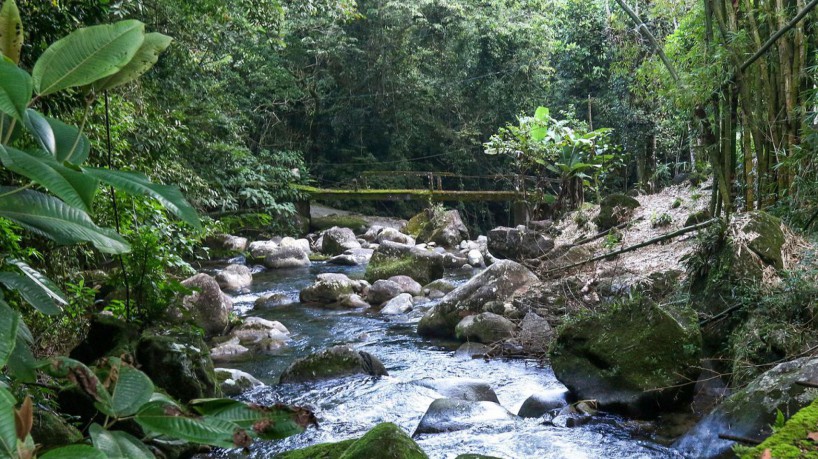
[
  {"x": 470, "y": 390},
  {"x": 384, "y": 441},
  {"x": 541, "y": 404},
  {"x": 448, "y": 415},
  {"x": 229, "y": 350},
  {"x": 750, "y": 412},
  {"x": 484, "y": 328},
  {"x": 335, "y": 362},
  {"x": 472, "y": 351},
  {"x": 496, "y": 283},
  {"x": 272, "y": 301},
  {"x": 393, "y": 259},
  {"x": 638, "y": 357}
]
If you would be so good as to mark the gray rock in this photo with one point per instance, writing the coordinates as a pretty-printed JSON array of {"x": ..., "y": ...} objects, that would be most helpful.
[
  {"x": 393, "y": 259},
  {"x": 407, "y": 285},
  {"x": 260, "y": 249},
  {"x": 518, "y": 243},
  {"x": 382, "y": 291},
  {"x": 235, "y": 243},
  {"x": 352, "y": 301},
  {"x": 338, "y": 240},
  {"x": 301, "y": 244},
  {"x": 287, "y": 257},
  {"x": 335, "y": 362},
  {"x": 614, "y": 209},
  {"x": 472, "y": 351},
  {"x": 235, "y": 382},
  {"x": 393, "y": 235},
  {"x": 470, "y": 390},
  {"x": 228, "y": 350},
  {"x": 453, "y": 261},
  {"x": 448, "y": 229},
  {"x": 343, "y": 260},
  {"x": 372, "y": 232},
  {"x": 475, "y": 258},
  {"x": 447, "y": 415},
  {"x": 329, "y": 287},
  {"x": 398, "y": 305},
  {"x": 540, "y": 404},
  {"x": 535, "y": 334},
  {"x": 235, "y": 278},
  {"x": 496, "y": 283},
  {"x": 440, "y": 285},
  {"x": 271, "y": 301},
  {"x": 484, "y": 328},
  {"x": 255, "y": 330},
  {"x": 750, "y": 412},
  {"x": 207, "y": 306}
]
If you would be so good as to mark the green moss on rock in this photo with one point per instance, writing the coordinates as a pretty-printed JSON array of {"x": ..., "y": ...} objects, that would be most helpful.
[
  {"x": 614, "y": 209},
  {"x": 50, "y": 430},
  {"x": 790, "y": 441},
  {"x": 353, "y": 222},
  {"x": 769, "y": 240},
  {"x": 319, "y": 451},
  {"x": 634, "y": 357},
  {"x": 392, "y": 259},
  {"x": 335, "y": 362},
  {"x": 419, "y": 225}
]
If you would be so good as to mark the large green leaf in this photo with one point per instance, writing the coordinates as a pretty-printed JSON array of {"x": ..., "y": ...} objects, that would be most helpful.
[
  {"x": 74, "y": 188},
  {"x": 269, "y": 423},
  {"x": 131, "y": 390},
  {"x": 43, "y": 281},
  {"x": 144, "y": 59},
  {"x": 118, "y": 445},
  {"x": 8, "y": 431},
  {"x": 9, "y": 323},
  {"x": 30, "y": 291},
  {"x": 6, "y": 123},
  {"x": 11, "y": 31},
  {"x": 80, "y": 375},
  {"x": 62, "y": 140},
  {"x": 74, "y": 452},
  {"x": 135, "y": 183},
  {"x": 16, "y": 88},
  {"x": 87, "y": 55},
  {"x": 542, "y": 114},
  {"x": 22, "y": 365},
  {"x": 52, "y": 218},
  {"x": 162, "y": 418}
]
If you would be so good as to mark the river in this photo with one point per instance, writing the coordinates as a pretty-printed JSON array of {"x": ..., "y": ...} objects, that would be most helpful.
[{"x": 348, "y": 407}]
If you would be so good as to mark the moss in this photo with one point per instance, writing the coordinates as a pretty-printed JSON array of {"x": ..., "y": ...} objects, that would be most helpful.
[
  {"x": 614, "y": 209},
  {"x": 335, "y": 362},
  {"x": 319, "y": 257},
  {"x": 319, "y": 451},
  {"x": 767, "y": 245},
  {"x": 385, "y": 441},
  {"x": 790, "y": 441},
  {"x": 697, "y": 217},
  {"x": 418, "y": 225},
  {"x": 421, "y": 269},
  {"x": 50, "y": 430},
  {"x": 353, "y": 222}
]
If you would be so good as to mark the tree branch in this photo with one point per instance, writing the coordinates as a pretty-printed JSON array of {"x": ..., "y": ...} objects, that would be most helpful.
[{"x": 777, "y": 35}]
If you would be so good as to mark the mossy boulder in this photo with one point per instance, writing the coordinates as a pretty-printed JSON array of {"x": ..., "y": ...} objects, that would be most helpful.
[
  {"x": 329, "y": 288},
  {"x": 498, "y": 282},
  {"x": 750, "y": 412},
  {"x": 518, "y": 243},
  {"x": 337, "y": 240},
  {"x": 444, "y": 228},
  {"x": 107, "y": 336},
  {"x": 179, "y": 362},
  {"x": 50, "y": 430},
  {"x": 766, "y": 238},
  {"x": 208, "y": 307},
  {"x": 354, "y": 222},
  {"x": 614, "y": 209},
  {"x": 393, "y": 259},
  {"x": 791, "y": 441},
  {"x": 486, "y": 328},
  {"x": 384, "y": 441},
  {"x": 637, "y": 357},
  {"x": 698, "y": 217},
  {"x": 335, "y": 362}
]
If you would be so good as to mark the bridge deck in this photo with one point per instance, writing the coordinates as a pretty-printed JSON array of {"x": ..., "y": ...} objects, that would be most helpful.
[{"x": 408, "y": 195}]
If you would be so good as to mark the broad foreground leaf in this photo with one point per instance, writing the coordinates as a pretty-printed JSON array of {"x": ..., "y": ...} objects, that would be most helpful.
[
  {"x": 11, "y": 31},
  {"x": 8, "y": 431},
  {"x": 87, "y": 55},
  {"x": 265, "y": 422},
  {"x": 9, "y": 323},
  {"x": 136, "y": 183},
  {"x": 30, "y": 291},
  {"x": 52, "y": 218},
  {"x": 163, "y": 418},
  {"x": 118, "y": 445},
  {"x": 43, "y": 281},
  {"x": 63, "y": 141},
  {"x": 74, "y": 452},
  {"x": 15, "y": 90},
  {"x": 145, "y": 58},
  {"x": 129, "y": 388}
]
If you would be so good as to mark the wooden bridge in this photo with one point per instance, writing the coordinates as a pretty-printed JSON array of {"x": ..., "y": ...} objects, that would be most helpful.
[{"x": 434, "y": 193}]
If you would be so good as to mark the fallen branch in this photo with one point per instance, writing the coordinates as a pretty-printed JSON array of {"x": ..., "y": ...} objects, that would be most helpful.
[
  {"x": 604, "y": 233},
  {"x": 720, "y": 315},
  {"x": 739, "y": 439},
  {"x": 655, "y": 240}
]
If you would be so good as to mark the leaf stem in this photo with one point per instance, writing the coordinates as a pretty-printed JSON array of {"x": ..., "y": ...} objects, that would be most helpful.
[{"x": 17, "y": 190}]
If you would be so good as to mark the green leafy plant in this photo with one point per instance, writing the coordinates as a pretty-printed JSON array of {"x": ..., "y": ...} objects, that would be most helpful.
[{"x": 661, "y": 220}]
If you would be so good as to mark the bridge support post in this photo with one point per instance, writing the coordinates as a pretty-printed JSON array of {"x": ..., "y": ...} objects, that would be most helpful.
[
  {"x": 302, "y": 208},
  {"x": 519, "y": 213}
]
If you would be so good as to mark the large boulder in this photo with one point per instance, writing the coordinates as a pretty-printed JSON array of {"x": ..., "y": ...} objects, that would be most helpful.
[
  {"x": 335, "y": 362},
  {"x": 330, "y": 287},
  {"x": 284, "y": 257},
  {"x": 258, "y": 250},
  {"x": 338, "y": 240},
  {"x": 179, "y": 363},
  {"x": 535, "y": 334},
  {"x": 498, "y": 282},
  {"x": 449, "y": 415},
  {"x": 393, "y": 259},
  {"x": 750, "y": 412},
  {"x": 235, "y": 278},
  {"x": 444, "y": 228},
  {"x": 235, "y": 382},
  {"x": 302, "y": 244},
  {"x": 614, "y": 209},
  {"x": 50, "y": 430},
  {"x": 486, "y": 328},
  {"x": 518, "y": 243},
  {"x": 794, "y": 439},
  {"x": 636, "y": 357},
  {"x": 384, "y": 441},
  {"x": 208, "y": 307}
]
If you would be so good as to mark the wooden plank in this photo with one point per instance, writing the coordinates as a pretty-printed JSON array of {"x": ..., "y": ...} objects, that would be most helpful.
[{"x": 409, "y": 195}]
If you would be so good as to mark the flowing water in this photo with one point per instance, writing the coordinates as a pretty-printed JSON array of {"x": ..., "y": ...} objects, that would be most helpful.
[{"x": 348, "y": 407}]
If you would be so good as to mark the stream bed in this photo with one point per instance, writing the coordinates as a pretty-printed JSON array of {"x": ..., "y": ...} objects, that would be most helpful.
[{"x": 349, "y": 407}]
